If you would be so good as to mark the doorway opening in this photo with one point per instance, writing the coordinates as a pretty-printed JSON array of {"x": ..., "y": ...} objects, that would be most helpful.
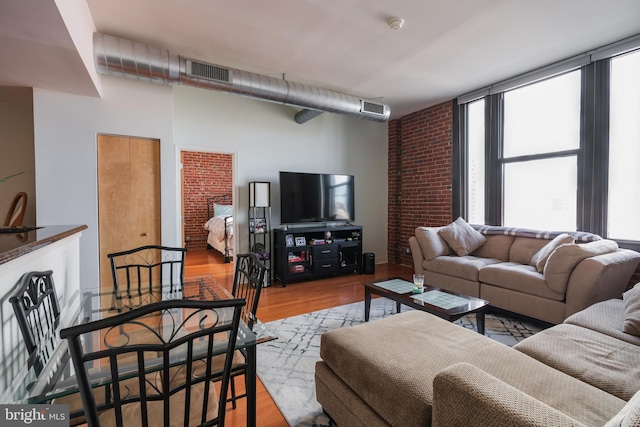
[{"x": 207, "y": 203}]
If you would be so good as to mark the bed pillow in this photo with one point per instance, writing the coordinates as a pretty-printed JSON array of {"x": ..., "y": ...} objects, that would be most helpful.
[
  {"x": 631, "y": 300},
  {"x": 462, "y": 238},
  {"x": 222, "y": 210},
  {"x": 539, "y": 259}
]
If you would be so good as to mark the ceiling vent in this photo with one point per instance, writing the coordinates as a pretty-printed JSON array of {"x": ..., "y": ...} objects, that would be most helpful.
[
  {"x": 373, "y": 108},
  {"x": 125, "y": 58},
  {"x": 209, "y": 71}
]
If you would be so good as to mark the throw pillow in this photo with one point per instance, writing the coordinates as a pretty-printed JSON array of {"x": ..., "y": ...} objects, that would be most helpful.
[
  {"x": 631, "y": 302},
  {"x": 431, "y": 243},
  {"x": 566, "y": 257},
  {"x": 539, "y": 259},
  {"x": 462, "y": 238}
]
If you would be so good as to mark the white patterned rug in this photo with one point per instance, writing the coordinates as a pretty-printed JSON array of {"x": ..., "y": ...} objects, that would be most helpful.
[{"x": 286, "y": 365}]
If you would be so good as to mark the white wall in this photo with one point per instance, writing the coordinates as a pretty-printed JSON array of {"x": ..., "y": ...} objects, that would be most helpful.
[
  {"x": 263, "y": 137},
  {"x": 266, "y": 139},
  {"x": 66, "y": 128}
]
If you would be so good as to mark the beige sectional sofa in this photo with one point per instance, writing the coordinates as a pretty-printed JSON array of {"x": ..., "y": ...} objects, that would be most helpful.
[
  {"x": 415, "y": 369},
  {"x": 543, "y": 275}
]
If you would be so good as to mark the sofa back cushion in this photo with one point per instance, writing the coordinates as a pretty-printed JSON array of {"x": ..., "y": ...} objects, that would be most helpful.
[
  {"x": 496, "y": 246},
  {"x": 431, "y": 243},
  {"x": 566, "y": 257},
  {"x": 631, "y": 302},
  {"x": 523, "y": 249}
]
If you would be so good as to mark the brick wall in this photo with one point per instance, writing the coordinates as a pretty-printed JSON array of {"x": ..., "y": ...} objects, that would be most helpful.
[
  {"x": 420, "y": 159},
  {"x": 204, "y": 175}
]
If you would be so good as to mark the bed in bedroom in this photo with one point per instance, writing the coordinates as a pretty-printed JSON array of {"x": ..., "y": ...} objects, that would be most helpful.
[{"x": 220, "y": 225}]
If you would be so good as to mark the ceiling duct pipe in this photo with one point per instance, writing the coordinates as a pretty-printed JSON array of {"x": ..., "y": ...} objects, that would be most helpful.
[
  {"x": 134, "y": 60},
  {"x": 305, "y": 115}
]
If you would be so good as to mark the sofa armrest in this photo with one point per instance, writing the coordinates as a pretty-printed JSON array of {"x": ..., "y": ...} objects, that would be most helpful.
[
  {"x": 416, "y": 253},
  {"x": 466, "y": 395},
  {"x": 600, "y": 278}
]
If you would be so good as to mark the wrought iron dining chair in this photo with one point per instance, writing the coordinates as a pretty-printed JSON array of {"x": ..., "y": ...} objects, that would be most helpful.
[
  {"x": 142, "y": 269},
  {"x": 37, "y": 310},
  {"x": 174, "y": 383},
  {"x": 248, "y": 280}
]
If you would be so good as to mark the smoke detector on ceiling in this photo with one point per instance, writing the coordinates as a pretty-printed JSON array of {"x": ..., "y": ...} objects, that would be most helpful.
[{"x": 395, "y": 23}]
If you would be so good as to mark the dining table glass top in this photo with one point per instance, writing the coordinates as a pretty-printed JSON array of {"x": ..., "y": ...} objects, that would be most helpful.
[{"x": 58, "y": 378}]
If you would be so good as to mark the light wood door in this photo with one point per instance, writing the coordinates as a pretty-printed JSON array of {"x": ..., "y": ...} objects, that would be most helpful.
[{"x": 128, "y": 196}]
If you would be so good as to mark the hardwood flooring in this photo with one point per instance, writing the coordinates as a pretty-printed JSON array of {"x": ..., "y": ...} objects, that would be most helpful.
[{"x": 277, "y": 302}]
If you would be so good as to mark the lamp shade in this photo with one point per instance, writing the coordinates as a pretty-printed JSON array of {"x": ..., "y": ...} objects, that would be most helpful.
[{"x": 259, "y": 194}]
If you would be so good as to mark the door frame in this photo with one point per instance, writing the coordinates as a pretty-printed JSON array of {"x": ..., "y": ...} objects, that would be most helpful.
[{"x": 179, "y": 195}]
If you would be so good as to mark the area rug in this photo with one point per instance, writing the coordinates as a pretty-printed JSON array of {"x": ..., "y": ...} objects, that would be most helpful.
[{"x": 286, "y": 365}]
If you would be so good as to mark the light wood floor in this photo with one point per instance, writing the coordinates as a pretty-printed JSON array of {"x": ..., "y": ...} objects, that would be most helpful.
[{"x": 277, "y": 302}]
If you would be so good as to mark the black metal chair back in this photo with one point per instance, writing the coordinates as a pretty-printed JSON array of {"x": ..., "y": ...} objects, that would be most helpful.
[
  {"x": 142, "y": 269},
  {"x": 140, "y": 348},
  {"x": 37, "y": 310},
  {"x": 247, "y": 284}
]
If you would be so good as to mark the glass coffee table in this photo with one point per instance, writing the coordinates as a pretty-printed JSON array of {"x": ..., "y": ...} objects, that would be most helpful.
[{"x": 439, "y": 302}]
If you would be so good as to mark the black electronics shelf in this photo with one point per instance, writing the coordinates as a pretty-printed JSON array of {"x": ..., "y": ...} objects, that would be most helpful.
[{"x": 312, "y": 252}]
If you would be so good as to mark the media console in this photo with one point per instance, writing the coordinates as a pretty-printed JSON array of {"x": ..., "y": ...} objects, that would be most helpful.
[{"x": 313, "y": 252}]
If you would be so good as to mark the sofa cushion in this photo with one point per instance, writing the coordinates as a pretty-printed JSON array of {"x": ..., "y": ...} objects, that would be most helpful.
[
  {"x": 523, "y": 248},
  {"x": 520, "y": 278},
  {"x": 631, "y": 302},
  {"x": 606, "y": 317},
  {"x": 462, "y": 238},
  {"x": 488, "y": 402},
  {"x": 604, "y": 362},
  {"x": 566, "y": 257},
  {"x": 391, "y": 364},
  {"x": 539, "y": 259},
  {"x": 431, "y": 243},
  {"x": 629, "y": 416},
  {"x": 464, "y": 267},
  {"x": 496, "y": 246}
]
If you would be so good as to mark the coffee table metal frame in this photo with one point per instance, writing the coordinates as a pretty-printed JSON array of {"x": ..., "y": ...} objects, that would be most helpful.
[{"x": 474, "y": 305}]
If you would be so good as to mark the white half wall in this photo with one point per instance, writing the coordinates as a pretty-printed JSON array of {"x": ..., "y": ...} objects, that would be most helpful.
[{"x": 266, "y": 140}]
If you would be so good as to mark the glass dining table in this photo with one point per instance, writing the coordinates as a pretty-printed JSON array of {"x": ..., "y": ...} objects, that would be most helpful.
[{"x": 58, "y": 379}]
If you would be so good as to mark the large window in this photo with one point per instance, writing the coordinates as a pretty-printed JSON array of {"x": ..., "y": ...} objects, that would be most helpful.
[
  {"x": 558, "y": 151},
  {"x": 541, "y": 142},
  {"x": 475, "y": 181},
  {"x": 624, "y": 148}
]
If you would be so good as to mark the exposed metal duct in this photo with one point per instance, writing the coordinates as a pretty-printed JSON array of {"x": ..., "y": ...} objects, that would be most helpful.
[
  {"x": 305, "y": 115},
  {"x": 134, "y": 60}
]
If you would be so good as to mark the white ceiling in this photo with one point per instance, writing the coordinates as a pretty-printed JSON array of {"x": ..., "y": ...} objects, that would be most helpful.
[{"x": 446, "y": 48}]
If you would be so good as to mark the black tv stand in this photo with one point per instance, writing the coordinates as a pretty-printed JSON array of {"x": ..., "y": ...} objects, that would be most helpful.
[{"x": 316, "y": 251}]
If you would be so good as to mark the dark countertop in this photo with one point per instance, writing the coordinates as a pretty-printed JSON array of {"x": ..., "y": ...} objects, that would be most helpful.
[{"x": 15, "y": 245}]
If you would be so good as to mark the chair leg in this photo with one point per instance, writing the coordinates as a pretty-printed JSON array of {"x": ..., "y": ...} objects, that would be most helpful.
[{"x": 233, "y": 392}]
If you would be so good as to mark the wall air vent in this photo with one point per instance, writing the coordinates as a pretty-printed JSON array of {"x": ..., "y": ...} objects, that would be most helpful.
[
  {"x": 372, "y": 108},
  {"x": 208, "y": 71}
]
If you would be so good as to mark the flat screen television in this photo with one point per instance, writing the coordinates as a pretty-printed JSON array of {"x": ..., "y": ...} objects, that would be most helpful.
[{"x": 316, "y": 197}]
